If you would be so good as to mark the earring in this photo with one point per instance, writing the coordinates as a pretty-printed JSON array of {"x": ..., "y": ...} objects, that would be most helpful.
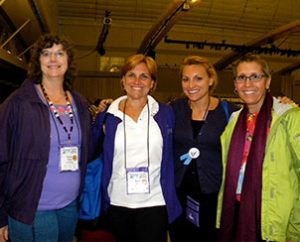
[{"x": 122, "y": 85}]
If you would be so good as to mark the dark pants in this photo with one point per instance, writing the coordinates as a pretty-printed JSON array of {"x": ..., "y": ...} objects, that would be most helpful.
[
  {"x": 141, "y": 224},
  {"x": 184, "y": 230}
]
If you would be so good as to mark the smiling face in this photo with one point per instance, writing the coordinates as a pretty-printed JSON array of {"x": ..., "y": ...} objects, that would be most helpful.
[
  {"x": 252, "y": 92},
  {"x": 54, "y": 62},
  {"x": 195, "y": 82},
  {"x": 137, "y": 82}
]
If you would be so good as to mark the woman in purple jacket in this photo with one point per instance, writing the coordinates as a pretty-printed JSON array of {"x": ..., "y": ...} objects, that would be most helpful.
[
  {"x": 44, "y": 136},
  {"x": 138, "y": 173}
]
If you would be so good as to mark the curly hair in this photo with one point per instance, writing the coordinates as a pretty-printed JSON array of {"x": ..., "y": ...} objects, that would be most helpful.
[{"x": 47, "y": 41}]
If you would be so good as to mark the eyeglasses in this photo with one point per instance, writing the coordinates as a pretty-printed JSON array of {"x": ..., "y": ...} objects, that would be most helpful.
[
  {"x": 251, "y": 78},
  {"x": 57, "y": 54}
]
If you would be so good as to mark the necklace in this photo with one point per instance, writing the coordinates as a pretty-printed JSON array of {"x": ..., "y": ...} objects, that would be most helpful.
[
  {"x": 206, "y": 110},
  {"x": 53, "y": 109}
]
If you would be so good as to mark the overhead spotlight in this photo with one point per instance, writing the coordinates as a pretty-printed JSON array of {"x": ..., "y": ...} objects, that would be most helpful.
[
  {"x": 107, "y": 20},
  {"x": 189, "y": 4},
  {"x": 186, "y": 5},
  {"x": 101, "y": 50},
  {"x": 104, "y": 32}
]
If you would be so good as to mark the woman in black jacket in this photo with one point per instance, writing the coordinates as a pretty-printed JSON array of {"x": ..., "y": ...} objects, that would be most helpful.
[{"x": 200, "y": 120}]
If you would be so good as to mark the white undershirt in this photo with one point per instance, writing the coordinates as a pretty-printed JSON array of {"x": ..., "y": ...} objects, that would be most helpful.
[{"x": 136, "y": 156}]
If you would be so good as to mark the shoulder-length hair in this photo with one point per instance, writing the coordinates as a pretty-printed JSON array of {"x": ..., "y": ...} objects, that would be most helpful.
[{"x": 47, "y": 41}]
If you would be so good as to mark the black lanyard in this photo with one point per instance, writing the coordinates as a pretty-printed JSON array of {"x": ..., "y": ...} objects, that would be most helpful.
[{"x": 53, "y": 109}]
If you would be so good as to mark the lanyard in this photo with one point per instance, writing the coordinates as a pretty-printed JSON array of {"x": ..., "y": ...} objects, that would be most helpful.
[
  {"x": 53, "y": 109},
  {"x": 193, "y": 153},
  {"x": 124, "y": 126}
]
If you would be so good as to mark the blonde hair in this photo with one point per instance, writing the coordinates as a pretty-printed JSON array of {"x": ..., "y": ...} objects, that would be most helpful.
[{"x": 198, "y": 60}]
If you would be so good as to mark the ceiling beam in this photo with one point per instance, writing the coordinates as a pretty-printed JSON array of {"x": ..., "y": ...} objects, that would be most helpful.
[
  {"x": 176, "y": 10},
  {"x": 39, "y": 16},
  {"x": 12, "y": 59},
  {"x": 266, "y": 39},
  {"x": 1, "y": 2},
  {"x": 15, "y": 33},
  {"x": 288, "y": 69}
]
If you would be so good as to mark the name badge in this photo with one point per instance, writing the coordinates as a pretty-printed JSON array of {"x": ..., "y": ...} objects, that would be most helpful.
[
  {"x": 69, "y": 158},
  {"x": 192, "y": 211},
  {"x": 137, "y": 180}
]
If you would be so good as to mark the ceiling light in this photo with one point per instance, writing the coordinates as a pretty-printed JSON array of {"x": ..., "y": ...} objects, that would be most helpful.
[{"x": 186, "y": 6}]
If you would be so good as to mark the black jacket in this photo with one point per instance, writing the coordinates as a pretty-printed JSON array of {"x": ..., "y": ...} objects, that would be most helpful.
[{"x": 209, "y": 163}]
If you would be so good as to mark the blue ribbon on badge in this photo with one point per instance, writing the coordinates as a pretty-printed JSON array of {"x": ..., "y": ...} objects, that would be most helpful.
[{"x": 187, "y": 159}]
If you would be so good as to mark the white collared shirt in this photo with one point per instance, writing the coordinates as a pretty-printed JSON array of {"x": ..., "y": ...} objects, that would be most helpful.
[{"x": 136, "y": 156}]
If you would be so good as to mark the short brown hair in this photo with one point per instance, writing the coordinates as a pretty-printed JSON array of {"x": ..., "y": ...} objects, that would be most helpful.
[
  {"x": 137, "y": 59},
  {"x": 252, "y": 58}
]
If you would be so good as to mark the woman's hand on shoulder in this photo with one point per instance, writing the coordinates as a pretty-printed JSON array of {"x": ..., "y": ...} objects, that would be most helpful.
[
  {"x": 285, "y": 100},
  {"x": 3, "y": 234},
  {"x": 104, "y": 104}
]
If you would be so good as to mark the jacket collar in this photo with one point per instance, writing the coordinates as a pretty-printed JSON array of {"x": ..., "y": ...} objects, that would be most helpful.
[
  {"x": 28, "y": 92},
  {"x": 114, "y": 107}
]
